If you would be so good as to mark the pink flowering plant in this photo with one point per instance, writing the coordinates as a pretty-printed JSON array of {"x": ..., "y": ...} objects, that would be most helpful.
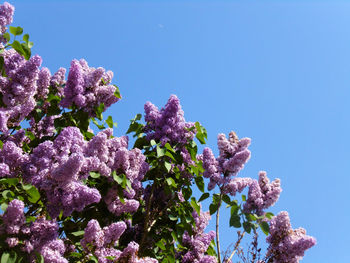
[{"x": 70, "y": 195}]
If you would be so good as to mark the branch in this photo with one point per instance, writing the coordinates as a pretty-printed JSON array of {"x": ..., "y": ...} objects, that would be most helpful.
[
  {"x": 217, "y": 229},
  {"x": 148, "y": 209}
]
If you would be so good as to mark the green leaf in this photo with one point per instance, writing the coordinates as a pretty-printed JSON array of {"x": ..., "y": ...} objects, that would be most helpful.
[
  {"x": 160, "y": 244},
  {"x": 99, "y": 110},
  {"x": 247, "y": 227},
  {"x": 226, "y": 199},
  {"x": 201, "y": 134},
  {"x": 168, "y": 146},
  {"x": 16, "y": 30},
  {"x": 160, "y": 152},
  {"x": 265, "y": 227},
  {"x": 26, "y": 38},
  {"x": 234, "y": 209},
  {"x": 120, "y": 195},
  {"x": 269, "y": 215},
  {"x": 170, "y": 155},
  {"x": 109, "y": 122},
  {"x": 200, "y": 183},
  {"x": 26, "y": 49},
  {"x": 18, "y": 47},
  {"x": 173, "y": 218},
  {"x": 34, "y": 194},
  {"x": 251, "y": 217},
  {"x": 167, "y": 166},
  {"x": 235, "y": 221},
  {"x": 30, "y": 44},
  {"x": 78, "y": 233},
  {"x": 187, "y": 192},
  {"x": 244, "y": 198},
  {"x": 9, "y": 181},
  {"x": 75, "y": 254},
  {"x": 30, "y": 135},
  {"x": 195, "y": 205},
  {"x": 153, "y": 142},
  {"x": 100, "y": 126},
  {"x": 213, "y": 208},
  {"x": 203, "y": 197},
  {"x": 128, "y": 184},
  {"x": 170, "y": 181},
  {"x": 4, "y": 206},
  {"x": 140, "y": 143},
  {"x": 9, "y": 257},
  {"x": 118, "y": 179},
  {"x": 39, "y": 258},
  {"x": 117, "y": 92},
  {"x": 1, "y": 144},
  {"x": 7, "y": 194},
  {"x": 95, "y": 175},
  {"x": 93, "y": 258},
  {"x": 216, "y": 199}
]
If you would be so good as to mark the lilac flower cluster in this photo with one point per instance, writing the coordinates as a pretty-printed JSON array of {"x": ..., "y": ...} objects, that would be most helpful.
[
  {"x": 233, "y": 155},
  {"x": 6, "y": 16},
  {"x": 262, "y": 194},
  {"x": 167, "y": 124},
  {"x": 101, "y": 242},
  {"x": 87, "y": 88},
  {"x": 12, "y": 158},
  {"x": 59, "y": 168},
  {"x": 54, "y": 167},
  {"x": 198, "y": 243},
  {"x": 18, "y": 88},
  {"x": 45, "y": 127},
  {"x": 287, "y": 245},
  {"x": 111, "y": 154},
  {"x": 41, "y": 236}
]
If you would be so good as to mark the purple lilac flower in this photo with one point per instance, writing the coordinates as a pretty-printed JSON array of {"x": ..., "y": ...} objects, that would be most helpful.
[
  {"x": 167, "y": 124},
  {"x": 113, "y": 232},
  {"x": 12, "y": 241},
  {"x": 93, "y": 235},
  {"x": 14, "y": 218},
  {"x": 233, "y": 154},
  {"x": 100, "y": 241},
  {"x": 13, "y": 157},
  {"x": 44, "y": 240},
  {"x": 45, "y": 127},
  {"x": 41, "y": 236},
  {"x": 55, "y": 168},
  {"x": 198, "y": 243},
  {"x": 59, "y": 167},
  {"x": 237, "y": 185},
  {"x": 6, "y": 16},
  {"x": 88, "y": 87},
  {"x": 117, "y": 207},
  {"x": 287, "y": 245},
  {"x": 43, "y": 83},
  {"x": 19, "y": 87},
  {"x": 4, "y": 170},
  {"x": 262, "y": 194}
]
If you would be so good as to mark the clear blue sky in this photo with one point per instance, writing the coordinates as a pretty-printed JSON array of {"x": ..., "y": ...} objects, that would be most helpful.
[{"x": 275, "y": 71}]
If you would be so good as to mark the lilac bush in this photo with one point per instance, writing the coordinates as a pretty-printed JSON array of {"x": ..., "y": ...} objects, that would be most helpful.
[{"x": 71, "y": 195}]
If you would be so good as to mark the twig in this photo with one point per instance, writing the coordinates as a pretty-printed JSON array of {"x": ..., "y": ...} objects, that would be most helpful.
[{"x": 240, "y": 236}]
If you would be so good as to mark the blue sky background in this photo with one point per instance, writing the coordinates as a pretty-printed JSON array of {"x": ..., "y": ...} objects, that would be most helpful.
[{"x": 275, "y": 71}]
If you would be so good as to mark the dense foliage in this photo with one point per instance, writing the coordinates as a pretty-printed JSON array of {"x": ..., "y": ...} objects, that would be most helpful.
[{"x": 69, "y": 195}]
